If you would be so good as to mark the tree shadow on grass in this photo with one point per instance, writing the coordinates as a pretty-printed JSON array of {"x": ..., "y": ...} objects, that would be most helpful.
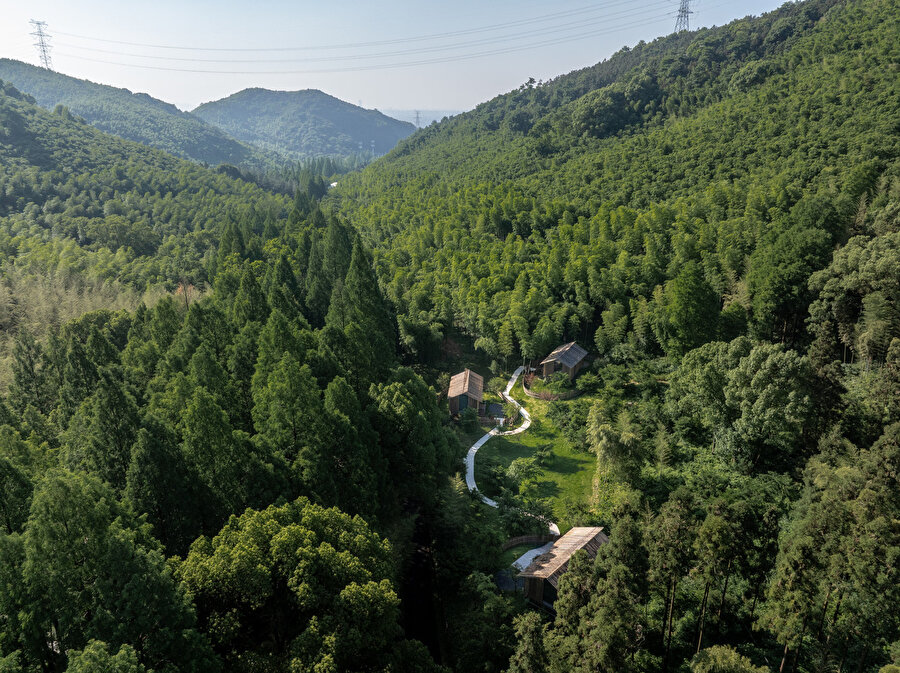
[
  {"x": 546, "y": 489},
  {"x": 568, "y": 464}
]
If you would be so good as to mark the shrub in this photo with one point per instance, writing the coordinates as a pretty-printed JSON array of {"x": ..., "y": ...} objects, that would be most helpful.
[{"x": 469, "y": 420}]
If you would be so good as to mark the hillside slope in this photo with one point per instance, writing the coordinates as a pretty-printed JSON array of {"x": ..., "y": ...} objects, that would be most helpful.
[
  {"x": 716, "y": 217},
  {"x": 299, "y": 124},
  {"x": 716, "y": 142},
  {"x": 87, "y": 218},
  {"x": 133, "y": 116}
]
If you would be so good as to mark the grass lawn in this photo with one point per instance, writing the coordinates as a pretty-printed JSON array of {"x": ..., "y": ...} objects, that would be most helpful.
[
  {"x": 466, "y": 439},
  {"x": 568, "y": 476},
  {"x": 513, "y": 553}
]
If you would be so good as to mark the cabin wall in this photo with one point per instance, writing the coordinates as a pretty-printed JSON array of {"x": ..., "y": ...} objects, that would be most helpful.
[
  {"x": 534, "y": 590},
  {"x": 573, "y": 371}
]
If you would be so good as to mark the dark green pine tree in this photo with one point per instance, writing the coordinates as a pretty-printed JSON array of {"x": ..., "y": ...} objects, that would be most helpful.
[
  {"x": 301, "y": 254},
  {"x": 614, "y": 629},
  {"x": 211, "y": 323},
  {"x": 357, "y": 326},
  {"x": 270, "y": 229},
  {"x": 318, "y": 288},
  {"x": 30, "y": 384},
  {"x": 179, "y": 354},
  {"x": 336, "y": 255},
  {"x": 205, "y": 370},
  {"x": 103, "y": 430},
  {"x": 100, "y": 349},
  {"x": 406, "y": 416},
  {"x": 250, "y": 304},
  {"x": 288, "y": 411},
  {"x": 241, "y": 365},
  {"x": 92, "y": 571},
  {"x": 779, "y": 270},
  {"x": 360, "y": 302},
  {"x": 531, "y": 654},
  {"x": 210, "y": 447},
  {"x": 282, "y": 289},
  {"x": 15, "y": 496},
  {"x": 352, "y": 459},
  {"x": 231, "y": 243},
  {"x": 277, "y": 337},
  {"x": 162, "y": 485},
  {"x": 79, "y": 377},
  {"x": 669, "y": 540},
  {"x": 165, "y": 322},
  {"x": 303, "y": 207},
  {"x": 340, "y": 313},
  {"x": 8, "y": 416},
  {"x": 687, "y": 311}
]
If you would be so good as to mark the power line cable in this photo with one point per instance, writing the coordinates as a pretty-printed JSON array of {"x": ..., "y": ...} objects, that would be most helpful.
[
  {"x": 387, "y": 66},
  {"x": 420, "y": 38},
  {"x": 423, "y": 50}
]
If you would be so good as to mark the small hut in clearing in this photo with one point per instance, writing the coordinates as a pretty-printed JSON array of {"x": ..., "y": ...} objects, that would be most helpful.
[
  {"x": 466, "y": 390},
  {"x": 568, "y": 358},
  {"x": 542, "y": 576}
]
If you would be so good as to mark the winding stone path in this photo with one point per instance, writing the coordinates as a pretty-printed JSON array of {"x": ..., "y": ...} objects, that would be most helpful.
[{"x": 470, "y": 456}]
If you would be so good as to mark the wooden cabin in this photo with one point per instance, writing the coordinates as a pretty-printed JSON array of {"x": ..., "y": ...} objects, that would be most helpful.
[
  {"x": 466, "y": 391},
  {"x": 569, "y": 358},
  {"x": 542, "y": 576}
]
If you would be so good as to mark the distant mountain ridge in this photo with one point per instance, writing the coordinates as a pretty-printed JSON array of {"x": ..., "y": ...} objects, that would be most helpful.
[
  {"x": 132, "y": 116},
  {"x": 306, "y": 123}
]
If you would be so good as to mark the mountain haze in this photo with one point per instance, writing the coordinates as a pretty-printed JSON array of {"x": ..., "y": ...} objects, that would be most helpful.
[
  {"x": 299, "y": 124},
  {"x": 132, "y": 116}
]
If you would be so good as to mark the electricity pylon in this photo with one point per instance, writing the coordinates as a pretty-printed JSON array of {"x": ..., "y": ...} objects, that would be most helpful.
[
  {"x": 43, "y": 42},
  {"x": 683, "y": 22}
]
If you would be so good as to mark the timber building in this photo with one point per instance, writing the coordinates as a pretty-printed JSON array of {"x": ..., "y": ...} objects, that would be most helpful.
[
  {"x": 542, "y": 576},
  {"x": 569, "y": 358},
  {"x": 466, "y": 391}
]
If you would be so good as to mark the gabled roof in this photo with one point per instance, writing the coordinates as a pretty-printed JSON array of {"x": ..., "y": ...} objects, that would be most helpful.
[
  {"x": 468, "y": 383},
  {"x": 553, "y": 563},
  {"x": 569, "y": 354}
]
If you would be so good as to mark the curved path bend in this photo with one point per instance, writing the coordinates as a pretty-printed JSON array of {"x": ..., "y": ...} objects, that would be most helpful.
[{"x": 470, "y": 456}]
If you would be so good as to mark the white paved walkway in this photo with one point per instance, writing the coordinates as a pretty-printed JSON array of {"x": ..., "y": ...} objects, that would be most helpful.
[{"x": 470, "y": 456}]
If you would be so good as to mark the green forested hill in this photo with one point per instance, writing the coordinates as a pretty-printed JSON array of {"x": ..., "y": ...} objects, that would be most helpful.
[
  {"x": 299, "y": 124},
  {"x": 229, "y": 447},
  {"x": 714, "y": 148},
  {"x": 715, "y": 215},
  {"x": 132, "y": 116},
  {"x": 87, "y": 219},
  {"x": 152, "y": 452}
]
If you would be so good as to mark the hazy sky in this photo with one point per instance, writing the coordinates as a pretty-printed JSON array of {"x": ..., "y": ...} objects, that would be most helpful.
[{"x": 448, "y": 55}]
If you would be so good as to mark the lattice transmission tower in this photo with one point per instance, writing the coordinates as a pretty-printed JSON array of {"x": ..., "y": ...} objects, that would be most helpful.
[
  {"x": 683, "y": 22},
  {"x": 42, "y": 43}
]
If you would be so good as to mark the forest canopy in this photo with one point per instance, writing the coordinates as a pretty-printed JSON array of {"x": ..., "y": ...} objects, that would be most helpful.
[{"x": 225, "y": 440}]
